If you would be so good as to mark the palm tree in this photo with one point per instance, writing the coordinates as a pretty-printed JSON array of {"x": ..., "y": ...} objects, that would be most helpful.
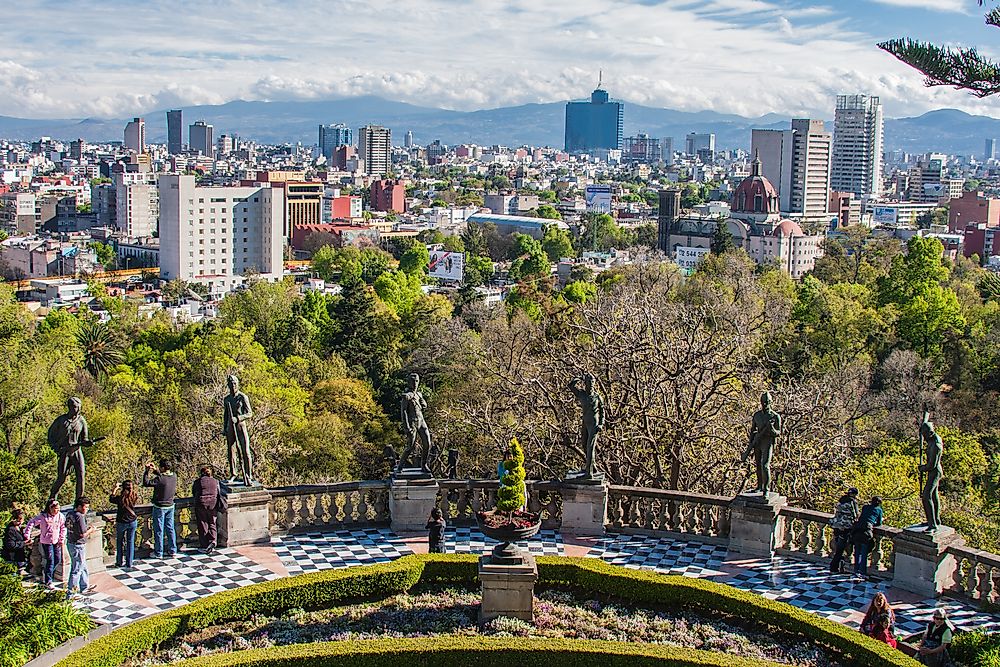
[{"x": 101, "y": 347}]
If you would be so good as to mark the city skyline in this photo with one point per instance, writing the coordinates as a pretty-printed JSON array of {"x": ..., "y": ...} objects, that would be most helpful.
[{"x": 115, "y": 59}]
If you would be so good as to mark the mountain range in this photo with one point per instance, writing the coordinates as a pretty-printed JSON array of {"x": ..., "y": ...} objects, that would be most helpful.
[{"x": 944, "y": 130}]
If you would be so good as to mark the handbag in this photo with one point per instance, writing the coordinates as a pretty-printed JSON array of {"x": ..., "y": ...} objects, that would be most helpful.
[{"x": 221, "y": 503}]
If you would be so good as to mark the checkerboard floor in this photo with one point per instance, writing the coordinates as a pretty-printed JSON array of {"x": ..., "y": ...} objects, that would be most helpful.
[
  {"x": 690, "y": 559},
  {"x": 110, "y": 610},
  {"x": 322, "y": 551},
  {"x": 170, "y": 582},
  {"x": 472, "y": 541}
]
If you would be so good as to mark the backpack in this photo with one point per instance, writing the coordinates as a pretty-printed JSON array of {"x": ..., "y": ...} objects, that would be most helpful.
[{"x": 843, "y": 518}]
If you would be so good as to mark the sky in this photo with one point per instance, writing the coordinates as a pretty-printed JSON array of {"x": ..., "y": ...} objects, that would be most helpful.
[{"x": 118, "y": 58}]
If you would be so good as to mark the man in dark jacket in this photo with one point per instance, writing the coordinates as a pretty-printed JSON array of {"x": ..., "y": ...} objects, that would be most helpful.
[
  {"x": 205, "y": 492},
  {"x": 863, "y": 535},
  {"x": 164, "y": 486},
  {"x": 13, "y": 541},
  {"x": 842, "y": 523}
]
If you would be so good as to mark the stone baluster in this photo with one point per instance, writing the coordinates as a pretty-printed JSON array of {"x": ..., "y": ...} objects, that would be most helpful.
[
  {"x": 382, "y": 505},
  {"x": 984, "y": 587},
  {"x": 971, "y": 587},
  {"x": 821, "y": 540},
  {"x": 363, "y": 506},
  {"x": 289, "y": 505},
  {"x": 674, "y": 512},
  {"x": 318, "y": 517},
  {"x": 349, "y": 505},
  {"x": 648, "y": 514},
  {"x": 305, "y": 515}
]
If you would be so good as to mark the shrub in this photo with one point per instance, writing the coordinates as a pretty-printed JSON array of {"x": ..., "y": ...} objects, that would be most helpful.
[
  {"x": 510, "y": 495},
  {"x": 977, "y": 649},
  {"x": 321, "y": 590}
]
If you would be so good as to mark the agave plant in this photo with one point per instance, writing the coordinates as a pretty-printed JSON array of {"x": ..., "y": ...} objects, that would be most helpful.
[{"x": 101, "y": 347}]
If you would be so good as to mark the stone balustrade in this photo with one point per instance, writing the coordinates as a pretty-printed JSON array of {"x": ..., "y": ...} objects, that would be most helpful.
[
  {"x": 975, "y": 574},
  {"x": 329, "y": 506},
  {"x": 635, "y": 509},
  {"x": 459, "y": 500},
  {"x": 185, "y": 527},
  {"x": 807, "y": 535}
]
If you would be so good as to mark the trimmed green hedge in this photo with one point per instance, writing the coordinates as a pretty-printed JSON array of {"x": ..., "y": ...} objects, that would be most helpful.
[
  {"x": 479, "y": 651},
  {"x": 328, "y": 588}
]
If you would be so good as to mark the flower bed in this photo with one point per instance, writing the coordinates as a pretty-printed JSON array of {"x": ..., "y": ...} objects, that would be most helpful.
[
  {"x": 323, "y": 590},
  {"x": 517, "y": 519}
]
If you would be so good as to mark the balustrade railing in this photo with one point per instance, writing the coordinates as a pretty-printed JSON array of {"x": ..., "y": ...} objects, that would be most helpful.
[
  {"x": 807, "y": 535},
  {"x": 323, "y": 506},
  {"x": 185, "y": 528},
  {"x": 658, "y": 510},
  {"x": 460, "y": 499},
  {"x": 975, "y": 574}
]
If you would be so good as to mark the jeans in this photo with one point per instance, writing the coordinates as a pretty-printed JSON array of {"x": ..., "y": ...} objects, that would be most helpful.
[
  {"x": 51, "y": 559},
  {"x": 861, "y": 551},
  {"x": 125, "y": 543},
  {"x": 163, "y": 527},
  {"x": 79, "y": 577},
  {"x": 841, "y": 540}
]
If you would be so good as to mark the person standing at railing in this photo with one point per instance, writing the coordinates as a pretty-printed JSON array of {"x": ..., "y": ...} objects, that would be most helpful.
[
  {"x": 52, "y": 535},
  {"x": 206, "y": 494},
  {"x": 14, "y": 544},
  {"x": 125, "y": 498},
  {"x": 77, "y": 534},
  {"x": 164, "y": 485},
  {"x": 863, "y": 535},
  {"x": 842, "y": 523}
]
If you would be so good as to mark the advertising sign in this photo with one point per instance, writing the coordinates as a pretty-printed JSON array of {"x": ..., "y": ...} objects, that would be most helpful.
[
  {"x": 885, "y": 215},
  {"x": 446, "y": 265},
  {"x": 688, "y": 257},
  {"x": 598, "y": 198}
]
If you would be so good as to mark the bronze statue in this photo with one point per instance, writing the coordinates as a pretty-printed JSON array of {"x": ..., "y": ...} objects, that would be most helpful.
[
  {"x": 234, "y": 428},
  {"x": 593, "y": 420},
  {"x": 67, "y": 436},
  {"x": 764, "y": 431},
  {"x": 411, "y": 409},
  {"x": 929, "y": 494}
]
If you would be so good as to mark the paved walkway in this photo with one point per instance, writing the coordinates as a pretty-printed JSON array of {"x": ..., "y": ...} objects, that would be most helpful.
[{"x": 156, "y": 585}]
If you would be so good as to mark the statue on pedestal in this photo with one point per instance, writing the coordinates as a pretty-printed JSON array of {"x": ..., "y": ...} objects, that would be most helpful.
[
  {"x": 67, "y": 436},
  {"x": 764, "y": 432},
  {"x": 411, "y": 409},
  {"x": 930, "y": 495},
  {"x": 234, "y": 427},
  {"x": 593, "y": 423}
]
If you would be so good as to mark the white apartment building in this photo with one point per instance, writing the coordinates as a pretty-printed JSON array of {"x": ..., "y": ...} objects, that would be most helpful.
[
  {"x": 375, "y": 148},
  {"x": 137, "y": 204},
  {"x": 216, "y": 235},
  {"x": 857, "y": 146},
  {"x": 797, "y": 162},
  {"x": 135, "y": 135}
]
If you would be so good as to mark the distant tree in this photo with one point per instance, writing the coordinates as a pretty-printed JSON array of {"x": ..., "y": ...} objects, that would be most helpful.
[
  {"x": 415, "y": 260},
  {"x": 722, "y": 239},
  {"x": 530, "y": 260},
  {"x": 102, "y": 348},
  {"x": 105, "y": 253},
  {"x": 557, "y": 243},
  {"x": 549, "y": 212},
  {"x": 646, "y": 235},
  {"x": 478, "y": 270},
  {"x": 317, "y": 240}
]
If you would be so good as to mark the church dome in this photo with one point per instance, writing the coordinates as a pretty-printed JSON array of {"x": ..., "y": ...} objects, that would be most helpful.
[
  {"x": 755, "y": 194},
  {"x": 787, "y": 228}
]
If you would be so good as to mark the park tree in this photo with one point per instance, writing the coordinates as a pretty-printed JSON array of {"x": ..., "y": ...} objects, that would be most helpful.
[
  {"x": 557, "y": 243},
  {"x": 722, "y": 239},
  {"x": 530, "y": 261}
]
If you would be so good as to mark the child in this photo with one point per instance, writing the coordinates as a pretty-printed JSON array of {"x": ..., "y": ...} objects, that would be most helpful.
[
  {"x": 13, "y": 541},
  {"x": 435, "y": 538}
]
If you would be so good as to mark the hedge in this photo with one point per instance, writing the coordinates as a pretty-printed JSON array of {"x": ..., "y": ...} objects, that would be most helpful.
[
  {"x": 325, "y": 589},
  {"x": 479, "y": 651}
]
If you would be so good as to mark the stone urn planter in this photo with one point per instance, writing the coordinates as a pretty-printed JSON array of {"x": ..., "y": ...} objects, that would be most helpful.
[{"x": 507, "y": 529}]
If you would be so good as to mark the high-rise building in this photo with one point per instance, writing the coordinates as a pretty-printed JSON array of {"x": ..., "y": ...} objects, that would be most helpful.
[
  {"x": 77, "y": 148},
  {"x": 200, "y": 138},
  {"x": 670, "y": 209},
  {"x": 175, "y": 131},
  {"x": 333, "y": 136},
  {"x": 214, "y": 236},
  {"x": 303, "y": 205},
  {"x": 797, "y": 162},
  {"x": 136, "y": 204},
  {"x": 135, "y": 135},
  {"x": 375, "y": 148},
  {"x": 594, "y": 124},
  {"x": 695, "y": 142},
  {"x": 408, "y": 139},
  {"x": 641, "y": 148},
  {"x": 667, "y": 150},
  {"x": 990, "y": 151},
  {"x": 224, "y": 146},
  {"x": 857, "y": 146}
]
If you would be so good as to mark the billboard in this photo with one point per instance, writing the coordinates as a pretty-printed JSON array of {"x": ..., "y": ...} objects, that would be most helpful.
[
  {"x": 446, "y": 265},
  {"x": 688, "y": 257},
  {"x": 598, "y": 198},
  {"x": 885, "y": 215}
]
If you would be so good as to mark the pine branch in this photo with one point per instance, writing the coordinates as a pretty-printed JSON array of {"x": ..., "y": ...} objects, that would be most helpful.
[{"x": 963, "y": 69}]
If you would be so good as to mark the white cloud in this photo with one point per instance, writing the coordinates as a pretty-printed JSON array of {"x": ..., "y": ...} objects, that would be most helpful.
[
  {"x": 958, "y": 6},
  {"x": 121, "y": 57}
]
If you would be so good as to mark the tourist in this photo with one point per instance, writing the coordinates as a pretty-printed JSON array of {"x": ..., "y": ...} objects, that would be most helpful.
[
  {"x": 125, "y": 498},
  {"x": 14, "y": 544},
  {"x": 164, "y": 485},
  {"x": 502, "y": 466},
  {"x": 77, "y": 534},
  {"x": 435, "y": 538},
  {"x": 205, "y": 491},
  {"x": 880, "y": 620},
  {"x": 842, "y": 523},
  {"x": 51, "y": 537},
  {"x": 863, "y": 535},
  {"x": 933, "y": 648}
]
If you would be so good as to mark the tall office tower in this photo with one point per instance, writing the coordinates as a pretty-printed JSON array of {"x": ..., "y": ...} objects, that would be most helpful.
[
  {"x": 408, "y": 139},
  {"x": 670, "y": 209},
  {"x": 303, "y": 205},
  {"x": 641, "y": 148},
  {"x": 597, "y": 123},
  {"x": 77, "y": 148},
  {"x": 200, "y": 138},
  {"x": 990, "y": 151},
  {"x": 224, "y": 146},
  {"x": 175, "y": 132},
  {"x": 135, "y": 135},
  {"x": 797, "y": 162},
  {"x": 695, "y": 142},
  {"x": 214, "y": 236},
  {"x": 333, "y": 136},
  {"x": 667, "y": 150},
  {"x": 857, "y": 146},
  {"x": 374, "y": 147}
]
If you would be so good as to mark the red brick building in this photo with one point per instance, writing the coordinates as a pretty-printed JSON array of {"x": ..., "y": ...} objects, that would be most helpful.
[
  {"x": 972, "y": 208},
  {"x": 388, "y": 195}
]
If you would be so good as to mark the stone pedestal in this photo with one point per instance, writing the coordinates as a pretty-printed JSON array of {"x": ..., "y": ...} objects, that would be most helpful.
[
  {"x": 95, "y": 551},
  {"x": 508, "y": 590},
  {"x": 248, "y": 519},
  {"x": 410, "y": 502},
  {"x": 922, "y": 563},
  {"x": 756, "y": 524},
  {"x": 585, "y": 507}
]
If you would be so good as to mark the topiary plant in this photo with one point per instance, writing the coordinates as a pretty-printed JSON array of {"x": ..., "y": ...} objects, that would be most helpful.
[{"x": 510, "y": 496}]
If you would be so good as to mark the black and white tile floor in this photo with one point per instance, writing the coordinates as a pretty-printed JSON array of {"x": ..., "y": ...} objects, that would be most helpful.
[
  {"x": 322, "y": 551},
  {"x": 471, "y": 540},
  {"x": 690, "y": 559}
]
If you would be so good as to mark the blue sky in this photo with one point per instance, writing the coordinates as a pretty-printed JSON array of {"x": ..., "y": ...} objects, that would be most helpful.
[{"x": 116, "y": 58}]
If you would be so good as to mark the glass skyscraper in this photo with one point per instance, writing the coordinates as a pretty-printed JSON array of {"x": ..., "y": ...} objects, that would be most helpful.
[
  {"x": 595, "y": 124},
  {"x": 333, "y": 136}
]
